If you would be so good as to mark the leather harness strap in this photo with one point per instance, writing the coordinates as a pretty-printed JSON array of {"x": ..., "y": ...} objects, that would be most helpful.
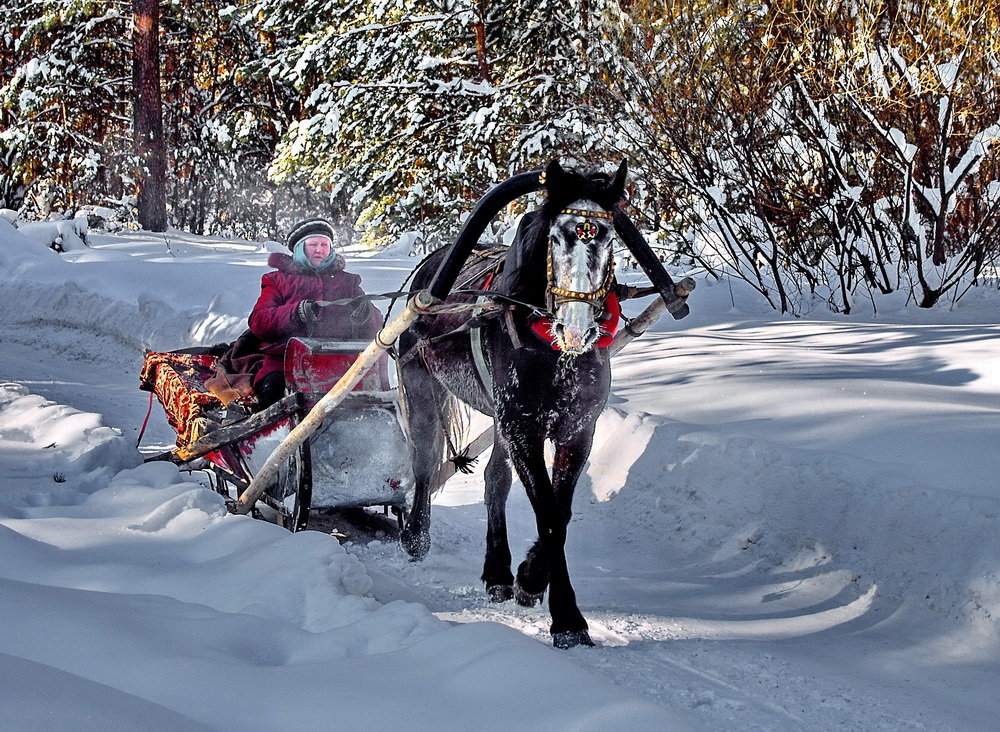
[{"x": 476, "y": 337}]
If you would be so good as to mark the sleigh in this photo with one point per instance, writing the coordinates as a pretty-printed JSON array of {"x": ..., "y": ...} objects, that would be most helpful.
[{"x": 357, "y": 457}]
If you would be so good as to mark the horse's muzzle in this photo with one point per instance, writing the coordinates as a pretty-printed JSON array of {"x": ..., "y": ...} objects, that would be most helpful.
[{"x": 575, "y": 341}]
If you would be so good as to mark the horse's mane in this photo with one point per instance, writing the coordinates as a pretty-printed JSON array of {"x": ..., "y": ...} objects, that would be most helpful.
[{"x": 524, "y": 273}]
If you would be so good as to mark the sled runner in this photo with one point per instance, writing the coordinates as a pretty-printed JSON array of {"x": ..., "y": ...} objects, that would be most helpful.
[{"x": 357, "y": 457}]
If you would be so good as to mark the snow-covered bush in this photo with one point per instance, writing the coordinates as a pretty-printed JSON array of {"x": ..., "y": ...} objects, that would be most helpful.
[
  {"x": 821, "y": 153},
  {"x": 102, "y": 218},
  {"x": 64, "y": 235}
]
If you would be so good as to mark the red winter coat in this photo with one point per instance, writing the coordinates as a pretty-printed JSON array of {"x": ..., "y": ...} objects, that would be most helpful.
[{"x": 275, "y": 319}]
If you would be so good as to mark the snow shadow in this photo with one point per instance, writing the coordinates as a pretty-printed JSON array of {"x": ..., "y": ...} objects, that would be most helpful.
[
  {"x": 742, "y": 538},
  {"x": 851, "y": 352}
]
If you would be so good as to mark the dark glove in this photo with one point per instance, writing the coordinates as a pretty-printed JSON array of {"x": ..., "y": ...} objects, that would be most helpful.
[
  {"x": 361, "y": 312},
  {"x": 307, "y": 313}
]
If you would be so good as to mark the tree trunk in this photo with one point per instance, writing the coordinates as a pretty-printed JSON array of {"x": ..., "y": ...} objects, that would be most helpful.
[
  {"x": 151, "y": 178},
  {"x": 480, "y": 29}
]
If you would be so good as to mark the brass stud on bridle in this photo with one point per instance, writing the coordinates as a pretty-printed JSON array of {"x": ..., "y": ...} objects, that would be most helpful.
[{"x": 587, "y": 214}]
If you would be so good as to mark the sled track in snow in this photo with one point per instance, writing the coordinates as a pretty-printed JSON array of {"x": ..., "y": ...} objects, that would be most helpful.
[{"x": 680, "y": 662}]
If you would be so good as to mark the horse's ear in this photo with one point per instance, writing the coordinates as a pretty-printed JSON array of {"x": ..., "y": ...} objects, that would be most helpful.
[
  {"x": 554, "y": 175},
  {"x": 617, "y": 187}
]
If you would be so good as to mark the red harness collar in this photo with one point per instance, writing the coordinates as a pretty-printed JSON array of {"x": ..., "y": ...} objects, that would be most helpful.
[{"x": 542, "y": 327}]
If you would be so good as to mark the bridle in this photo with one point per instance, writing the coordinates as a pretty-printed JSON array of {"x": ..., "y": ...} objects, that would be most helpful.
[{"x": 585, "y": 231}]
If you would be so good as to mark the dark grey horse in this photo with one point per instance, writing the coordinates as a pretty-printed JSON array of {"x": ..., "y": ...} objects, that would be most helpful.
[{"x": 549, "y": 382}]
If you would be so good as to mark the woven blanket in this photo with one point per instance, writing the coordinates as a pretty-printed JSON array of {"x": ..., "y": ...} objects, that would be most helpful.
[{"x": 178, "y": 381}]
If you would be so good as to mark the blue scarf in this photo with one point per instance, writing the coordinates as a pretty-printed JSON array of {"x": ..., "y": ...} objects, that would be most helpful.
[{"x": 300, "y": 258}]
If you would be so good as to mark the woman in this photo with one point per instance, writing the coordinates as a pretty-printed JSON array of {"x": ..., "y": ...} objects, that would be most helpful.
[{"x": 298, "y": 300}]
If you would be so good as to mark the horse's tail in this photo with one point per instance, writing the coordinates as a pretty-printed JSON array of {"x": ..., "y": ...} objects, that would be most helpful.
[
  {"x": 453, "y": 422},
  {"x": 455, "y": 417}
]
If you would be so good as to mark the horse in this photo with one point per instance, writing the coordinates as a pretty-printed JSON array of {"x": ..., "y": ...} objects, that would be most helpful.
[{"x": 541, "y": 373}]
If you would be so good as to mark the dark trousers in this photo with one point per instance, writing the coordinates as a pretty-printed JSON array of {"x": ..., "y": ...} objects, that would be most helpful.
[{"x": 270, "y": 389}]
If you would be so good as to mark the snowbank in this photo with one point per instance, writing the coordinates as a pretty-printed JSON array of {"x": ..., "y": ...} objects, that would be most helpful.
[
  {"x": 73, "y": 450},
  {"x": 124, "y": 294},
  {"x": 62, "y": 236},
  {"x": 18, "y": 251},
  {"x": 138, "y": 597}
]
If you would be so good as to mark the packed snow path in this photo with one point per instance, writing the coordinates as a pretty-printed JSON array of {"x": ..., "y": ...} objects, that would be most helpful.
[{"x": 785, "y": 524}]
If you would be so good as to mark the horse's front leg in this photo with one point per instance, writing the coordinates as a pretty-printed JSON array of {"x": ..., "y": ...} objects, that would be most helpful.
[
  {"x": 552, "y": 514},
  {"x": 496, "y": 568},
  {"x": 533, "y": 572},
  {"x": 569, "y": 460}
]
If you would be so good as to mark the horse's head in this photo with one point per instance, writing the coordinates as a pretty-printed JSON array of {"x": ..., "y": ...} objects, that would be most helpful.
[
  {"x": 580, "y": 263},
  {"x": 580, "y": 272},
  {"x": 562, "y": 253}
]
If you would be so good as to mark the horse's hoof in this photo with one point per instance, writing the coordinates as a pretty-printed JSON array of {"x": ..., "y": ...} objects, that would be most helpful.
[
  {"x": 571, "y": 638},
  {"x": 525, "y": 598},
  {"x": 415, "y": 543},
  {"x": 500, "y": 593}
]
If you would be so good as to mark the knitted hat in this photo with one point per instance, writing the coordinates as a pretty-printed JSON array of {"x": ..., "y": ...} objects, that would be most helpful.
[{"x": 311, "y": 227}]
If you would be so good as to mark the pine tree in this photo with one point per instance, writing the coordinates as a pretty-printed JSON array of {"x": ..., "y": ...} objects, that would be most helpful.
[
  {"x": 411, "y": 109},
  {"x": 223, "y": 117},
  {"x": 147, "y": 115},
  {"x": 66, "y": 108},
  {"x": 64, "y": 103}
]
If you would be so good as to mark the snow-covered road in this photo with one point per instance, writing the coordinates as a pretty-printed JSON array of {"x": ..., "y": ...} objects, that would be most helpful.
[{"x": 784, "y": 525}]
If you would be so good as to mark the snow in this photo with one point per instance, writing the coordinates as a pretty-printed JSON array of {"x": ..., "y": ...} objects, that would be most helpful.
[
  {"x": 948, "y": 73},
  {"x": 906, "y": 150},
  {"x": 785, "y": 524}
]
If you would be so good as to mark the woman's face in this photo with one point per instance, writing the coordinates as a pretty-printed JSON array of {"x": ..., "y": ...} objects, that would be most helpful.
[{"x": 317, "y": 249}]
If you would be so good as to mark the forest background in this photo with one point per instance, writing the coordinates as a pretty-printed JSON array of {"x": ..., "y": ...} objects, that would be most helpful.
[{"x": 825, "y": 151}]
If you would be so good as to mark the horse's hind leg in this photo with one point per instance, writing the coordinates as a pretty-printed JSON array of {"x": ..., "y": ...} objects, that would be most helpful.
[
  {"x": 496, "y": 568},
  {"x": 424, "y": 397}
]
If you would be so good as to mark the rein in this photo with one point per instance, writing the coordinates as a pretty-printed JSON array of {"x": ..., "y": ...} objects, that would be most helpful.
[{"x": 445, "y": 308}]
